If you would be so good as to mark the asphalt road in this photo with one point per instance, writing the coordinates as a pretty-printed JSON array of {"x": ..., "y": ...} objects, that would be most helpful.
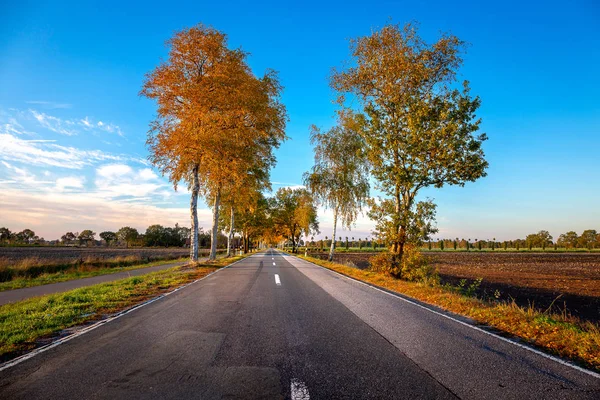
[
  {"x": 273, "y": 326},
  {"x": 11, "y": 296}
]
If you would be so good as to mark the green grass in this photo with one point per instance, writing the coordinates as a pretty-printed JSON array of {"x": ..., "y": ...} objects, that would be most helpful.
[
  {"x": 558, "y": 334},
  {"x": 76, "y": 273},
  {"x": 23, "y": 324}
]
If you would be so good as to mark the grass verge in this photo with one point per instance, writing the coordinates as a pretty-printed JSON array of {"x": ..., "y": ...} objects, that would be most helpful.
[
  {"x": 26, "y": 324},
  {"x": 561, "y": 335},
  {"x": 83, "y": 271},
  {"x": 33, "y": 267}
]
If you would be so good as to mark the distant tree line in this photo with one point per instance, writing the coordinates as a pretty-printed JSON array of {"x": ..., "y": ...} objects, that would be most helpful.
[
  {"x": 155, "y": 236},
  {"x": 589, "y": 239}
]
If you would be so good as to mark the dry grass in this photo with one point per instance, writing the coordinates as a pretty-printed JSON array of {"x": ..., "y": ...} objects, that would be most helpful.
[
  {"x": 33, "y": 267},
  {"x": 557, "y": 334}
]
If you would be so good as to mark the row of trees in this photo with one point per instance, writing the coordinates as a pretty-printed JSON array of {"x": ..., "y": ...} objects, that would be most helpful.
[
  {"x": 155, "y": 236},
  {"x": 589, "y": 239},
  {"x": 26, "y": 236},
  {"x": 289, "y": 215},
  {"x": 216, "y": 128}
]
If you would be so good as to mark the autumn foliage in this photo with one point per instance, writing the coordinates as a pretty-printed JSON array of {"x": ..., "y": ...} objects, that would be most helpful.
[{"x": 217, "y": 124}]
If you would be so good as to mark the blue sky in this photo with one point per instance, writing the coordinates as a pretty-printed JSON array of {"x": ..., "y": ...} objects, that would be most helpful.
[{"x": 73, "y": 128}]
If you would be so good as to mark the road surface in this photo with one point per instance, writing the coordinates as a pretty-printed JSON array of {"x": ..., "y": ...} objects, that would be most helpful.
[{"x": 272, "y": 326}]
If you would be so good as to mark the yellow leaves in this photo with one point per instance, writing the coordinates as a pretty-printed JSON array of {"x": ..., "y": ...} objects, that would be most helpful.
[{"x": 212, "y": 112}]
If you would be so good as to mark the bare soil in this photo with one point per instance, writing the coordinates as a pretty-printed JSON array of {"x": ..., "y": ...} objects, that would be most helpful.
[{"x": 564, "y": 282}]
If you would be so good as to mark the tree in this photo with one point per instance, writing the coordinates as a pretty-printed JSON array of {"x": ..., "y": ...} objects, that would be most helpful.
[
  {"x": 420, "y": 131},
  {"x": 5, "y": 235},
  {"x": 540, "y": 239},
  {"x": 86, "y": 236},
  {"x": 68, "y": 237},
  {"x": 156, "y": 235},
  {"x": 294, "y": 214},
  {"x": 587, "y": 239},
  {"x": 108, "y": 237},
  {"x": 568, "y": 240},
  {"x": 26, "y": 236},
  {"x": 127, "y": 234},
  {"x": 213, "y": 117},
  {"x": 339, "y": 179}
]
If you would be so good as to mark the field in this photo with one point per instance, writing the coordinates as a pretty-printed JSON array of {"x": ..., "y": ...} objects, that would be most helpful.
[
  {"x": 70, "y": 254},
  {"x": 32, "y": 266},
  {"x": 545, "y": 280}
]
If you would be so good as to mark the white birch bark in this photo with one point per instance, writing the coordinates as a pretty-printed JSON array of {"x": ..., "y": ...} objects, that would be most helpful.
[
  {"x": 194, "y": 215},
  {"x": 332, "y": 249},
  {"x": 215, "y": 227},
  {"x": 230, "y": 236}
]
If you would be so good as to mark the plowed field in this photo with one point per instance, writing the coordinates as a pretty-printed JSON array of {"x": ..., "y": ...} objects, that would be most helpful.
[{"x": 559, "y": 281}]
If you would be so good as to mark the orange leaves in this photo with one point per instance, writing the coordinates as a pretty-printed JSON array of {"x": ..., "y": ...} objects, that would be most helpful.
[{"x": 212, "y": 111}]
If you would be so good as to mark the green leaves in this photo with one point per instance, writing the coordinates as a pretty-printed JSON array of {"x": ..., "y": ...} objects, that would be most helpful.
[
  {"x": 339, "y": 179},
  {"x": 419, "y": 130}
]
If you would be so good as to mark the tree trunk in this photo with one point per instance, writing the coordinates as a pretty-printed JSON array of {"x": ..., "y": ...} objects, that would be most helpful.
[
  {"x": 230, "y": 237},
  {"x": 215, "y": 227},
  {"x": 332, "y": 249},
  {"x": 294, "y": 240},
  {"x": 194, "y": 215}
]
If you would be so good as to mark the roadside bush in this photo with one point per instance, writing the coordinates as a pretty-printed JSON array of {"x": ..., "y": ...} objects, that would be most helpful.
[{"x": 413, "y": 266}]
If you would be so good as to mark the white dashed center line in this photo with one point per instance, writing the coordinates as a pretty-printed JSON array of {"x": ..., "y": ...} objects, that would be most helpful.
[
  {"x": 273, "y": 263},
  {"x": 299, "y": 390},
  {"x": 277, "y": 280}
]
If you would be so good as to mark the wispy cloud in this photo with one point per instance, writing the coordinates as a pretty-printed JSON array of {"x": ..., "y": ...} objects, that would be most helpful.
[
  {"x": 69, "y": 182},
  {"x": 54, "y": 124},
  {"x": 47, "y": 153},
  {"x": 49, "y": 104},
  {"x": 71, "y": 127}
]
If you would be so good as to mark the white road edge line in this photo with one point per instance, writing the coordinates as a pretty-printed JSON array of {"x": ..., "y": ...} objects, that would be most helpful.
[
  {"x": 299, "y": 390},
  {"x": 277, "y": 280},
  {"x": 536, "y": 351},
  {"x": 98, "y": 324}
]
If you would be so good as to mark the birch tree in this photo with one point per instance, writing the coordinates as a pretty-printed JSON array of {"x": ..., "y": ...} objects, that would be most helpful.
[
  {"x": 339, "y": 179},
  {"x": 421, "y": 130},
  {"x": 212, "y": 114}
]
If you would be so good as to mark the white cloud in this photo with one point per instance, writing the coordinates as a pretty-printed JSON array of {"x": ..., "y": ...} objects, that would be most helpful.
[
  {"x": 122, "y": 181},
  {"x": 54, "y": 124},
  {"x": 114, "y": 171},
  {"x": 51, "y": 214},
  {"x": 147, "y": 174},
  {"x": 70, "y": 127},
  {"x": 23, "y": 177},
  {"x": 86, "y": 122},
  {"x": 74, "y": 182},
  {"x": 48, "y": 153},
  {"x": 49, "y": 104}
]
